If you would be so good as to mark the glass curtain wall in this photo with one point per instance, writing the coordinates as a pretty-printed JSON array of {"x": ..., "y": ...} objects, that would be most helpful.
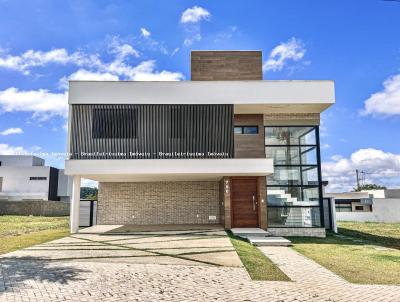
[{"x": 294, "y": 189}]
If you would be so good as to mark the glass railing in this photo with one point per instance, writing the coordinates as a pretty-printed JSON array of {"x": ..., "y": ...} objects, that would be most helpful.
[{"x": 294, "y": 216}]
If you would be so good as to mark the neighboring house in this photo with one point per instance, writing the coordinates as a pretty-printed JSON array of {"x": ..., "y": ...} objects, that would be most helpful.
[
  {"x": 224, "y": 148},
  {"x": 352, "y": 201},
  {"x": 24, "y": 177},
  {"x": 373, "y": 205}
]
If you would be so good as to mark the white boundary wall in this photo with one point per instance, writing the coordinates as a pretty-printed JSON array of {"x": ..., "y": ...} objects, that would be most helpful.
[{"x": 383, "y": 210}]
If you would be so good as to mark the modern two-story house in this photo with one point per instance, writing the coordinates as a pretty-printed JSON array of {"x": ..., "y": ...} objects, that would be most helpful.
[
  {"x": 224, "y": 148},
  {"x": 26, "y": 177}
]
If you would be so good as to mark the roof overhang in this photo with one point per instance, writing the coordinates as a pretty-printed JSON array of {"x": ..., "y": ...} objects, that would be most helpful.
[
  {"x": 246, "y": 96},
  {"x": 143, "y": 170}
]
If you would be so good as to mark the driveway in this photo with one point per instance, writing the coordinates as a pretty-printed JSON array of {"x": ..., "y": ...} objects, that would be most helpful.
[
  {"x": 192, "y": 247},
  {"x": 172, "y": 266}
]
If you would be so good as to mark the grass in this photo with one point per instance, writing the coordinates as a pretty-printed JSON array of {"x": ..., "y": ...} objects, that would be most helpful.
[
  {"x": 358, "y": 258},
  {"x": 17, "y": 232},
  {"x": 385, "y": 234},
  {"x": 256, "y": 263}
]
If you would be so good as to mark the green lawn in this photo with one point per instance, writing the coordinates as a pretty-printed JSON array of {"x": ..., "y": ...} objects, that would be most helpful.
[
  {"x": 385, "y": 234},
  {"x": 256, "y": 263},
  {"x": 18, "y": 232},
  {"x": 365, "y": 254}
]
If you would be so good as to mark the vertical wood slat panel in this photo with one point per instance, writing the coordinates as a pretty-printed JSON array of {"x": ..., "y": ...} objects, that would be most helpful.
[{"x": 160, "y": 128}]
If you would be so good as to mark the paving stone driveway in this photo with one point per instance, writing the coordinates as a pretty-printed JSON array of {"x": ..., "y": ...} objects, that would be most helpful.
[{"x": 191, "y": 267}]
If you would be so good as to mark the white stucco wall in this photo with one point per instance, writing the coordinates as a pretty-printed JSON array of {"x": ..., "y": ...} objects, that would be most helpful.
[
  {"x": 20, "y": 161},
  {"x": 16, "y": 184},
  {"x": 383, "y": 210}
]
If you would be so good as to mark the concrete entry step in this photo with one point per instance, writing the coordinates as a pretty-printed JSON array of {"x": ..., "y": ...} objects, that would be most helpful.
[
  {"x": 250, "y": 232},
  {"x": 269, "y": 241}
]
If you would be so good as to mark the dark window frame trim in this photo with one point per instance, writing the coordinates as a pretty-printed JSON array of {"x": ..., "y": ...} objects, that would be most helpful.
[
  {"x": 297, "y": 165},
  {"x": 246, "y": 126},
  {"x": 37, "y": 177},
  {"x": 289, "y": 206},
  {"x": 317, "y": 145}
]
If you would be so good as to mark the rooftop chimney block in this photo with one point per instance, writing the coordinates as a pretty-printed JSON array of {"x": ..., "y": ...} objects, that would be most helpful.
[{"x": 226, "y": 65}]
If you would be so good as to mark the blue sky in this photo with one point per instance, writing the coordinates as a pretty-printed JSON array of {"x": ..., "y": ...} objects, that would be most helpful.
[{"x": 355, "y": 43}]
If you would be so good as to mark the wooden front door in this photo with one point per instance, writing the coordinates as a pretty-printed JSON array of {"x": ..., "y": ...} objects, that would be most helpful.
[{"x": 244, "y": 202}]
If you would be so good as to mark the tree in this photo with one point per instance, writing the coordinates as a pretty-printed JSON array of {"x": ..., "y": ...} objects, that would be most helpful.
[
  {"x": 89, "y": 193},
  {"x": 369, "y": 187}
]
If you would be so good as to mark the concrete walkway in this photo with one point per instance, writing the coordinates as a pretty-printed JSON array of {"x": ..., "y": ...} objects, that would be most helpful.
[
  {"x": 323, "y": 282},
  {"x": 89, "y": 267}
]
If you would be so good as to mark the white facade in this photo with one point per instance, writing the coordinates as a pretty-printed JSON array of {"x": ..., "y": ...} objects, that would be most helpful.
[
  {"x": 385, "y": 205},
  {"x": 20, "y": 161},
  {"x": 385, "y": 210},
  {"x": 248, "y": 97},
  {"x": 26, "y": 178},
  {"x": 140, "y": 170},
  {"x": 17, "y": 185}
]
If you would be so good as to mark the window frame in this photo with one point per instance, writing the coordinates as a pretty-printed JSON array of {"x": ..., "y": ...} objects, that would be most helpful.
[
  {"x": 309, "y": 147},
  {"x": 242, "y": 127},
  {"x": 37, "y": 177}
]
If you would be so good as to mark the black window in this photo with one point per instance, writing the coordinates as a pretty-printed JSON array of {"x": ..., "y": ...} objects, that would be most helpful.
[
  {"x": 238, "y": 130},
  {"x": 343, "y": 208},
  {"x": 37, "y": 178},
  {"x": 359, "y": 208},
  {"x": 246, "y": 129},
  {"x": 114, "y": 123}
]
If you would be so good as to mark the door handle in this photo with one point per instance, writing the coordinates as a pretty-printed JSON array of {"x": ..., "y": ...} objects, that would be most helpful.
[{"x": 254, "y": 203}]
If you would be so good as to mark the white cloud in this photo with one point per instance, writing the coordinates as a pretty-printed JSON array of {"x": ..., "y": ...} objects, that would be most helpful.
[
  {"x": 34, "y": 58},
  {"x": 384, "y": 169},
  {"x": 11, "y": 150},
  {"x": 122, "y": 50},
  {"x": 89, "y": 183},
  {"x": 325, "y": 146},
  {"x": 195, "y": 15},
  {"x": 145, "y": 33},
  {"x": 41, "y": 103},
  {"x": 86, "y": 75},
  {"x": 191, "y": 39},
  {"x": 191, "y": 19},
  {"x": 10, "y": 131},
  {"x": 385, "y": 102},
  {"x": 292, "y": 50},
  {"x": 145, "y": 71}
]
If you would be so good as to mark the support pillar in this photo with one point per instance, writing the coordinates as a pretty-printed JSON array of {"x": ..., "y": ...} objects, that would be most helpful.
[{"x": 75, "y": 204}]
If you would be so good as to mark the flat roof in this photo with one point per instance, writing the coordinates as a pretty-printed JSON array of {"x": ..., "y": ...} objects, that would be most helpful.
[{"x": 248, "y": 96}]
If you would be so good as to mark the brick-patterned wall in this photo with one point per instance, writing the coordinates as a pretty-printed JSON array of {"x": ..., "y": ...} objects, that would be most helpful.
[
  {"x": 286, "y": 119},
  {"x": 226, "y": 65},
  {"x": 158, "y": 202}
]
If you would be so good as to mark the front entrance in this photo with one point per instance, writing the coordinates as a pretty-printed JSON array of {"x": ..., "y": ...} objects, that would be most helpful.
[{"x": 244, "y": 202}]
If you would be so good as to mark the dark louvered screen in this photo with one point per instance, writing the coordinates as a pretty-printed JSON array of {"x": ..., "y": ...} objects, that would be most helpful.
[
  {"x": 114, "y": 123},
  {"x": 151, "y": 131}
]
